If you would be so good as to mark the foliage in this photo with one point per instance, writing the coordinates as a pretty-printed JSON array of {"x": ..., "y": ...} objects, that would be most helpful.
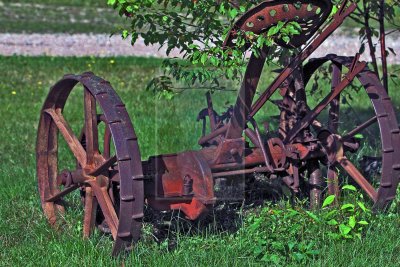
[
  {"x": 197, "y": 29},
  {"x": 293, "y": 234},
  {"x": 372, "y": 17},
  {"x": 282, "y": 235},
  {"x": 349, "y": 220}
]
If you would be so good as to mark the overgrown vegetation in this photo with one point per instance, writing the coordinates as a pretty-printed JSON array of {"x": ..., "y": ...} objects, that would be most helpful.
[
  {"x": 278, "y": 234},
  {"x": 198, "y": 30}
]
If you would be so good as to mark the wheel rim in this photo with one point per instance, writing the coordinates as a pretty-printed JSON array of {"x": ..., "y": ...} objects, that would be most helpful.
[
  {"x": 384, "y": 118},
  {"x": 125, "y": 223}
]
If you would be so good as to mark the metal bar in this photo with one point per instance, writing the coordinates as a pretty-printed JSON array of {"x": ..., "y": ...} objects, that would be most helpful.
[
  {"x": 91, "y": 131},
  {"x": 360, "y": 128},
  {"x": 246, "y": 95},
  {"x": 212, "y": 135},
  {"x": 382, "y": 40},
  {"x": 90, "y": 212},
  {"x": 261, "y": 145},
  {"x": 210, "y": 110},
  {"x": 68, "y": 134},
  {"x": 369, "y": 34},
  {"x": 333, "y": 183},
  {"x": 108, "y": 212},
  {"x": 63, "y": 193},
  {"x": 104, "y": 166},
  {"x": 335, "y": 104},
  {"x": 240, "y": 172},
  {"x": 337, "y": 21},
  {"x": 252, "y": 136},
  {"x": 359, "y": 178},
  {"x": 311, "y": 116}
]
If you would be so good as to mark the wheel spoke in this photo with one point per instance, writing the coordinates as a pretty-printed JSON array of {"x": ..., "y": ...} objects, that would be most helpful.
[
  {"x": 68, "y": 134},
  {"x": 106, "y": 207},
  {"x": 359, "y": 178},
  {"x": 91, "y": 131},
  {"x": 63, "y": 193},
  {"x": 360, "y": 128},
  {"x": 311, "y": 116},
  {"x": 335, "y": 104},
  {"x": 107, "y": 136},
  {"x": 104, "y": 166},
  {"x": 90, "y": 212}
]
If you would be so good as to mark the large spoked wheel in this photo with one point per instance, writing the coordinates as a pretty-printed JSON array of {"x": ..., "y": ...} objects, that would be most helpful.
[
  {"x": 360, "y": 133},
  {"x": 112, "y": 182}
]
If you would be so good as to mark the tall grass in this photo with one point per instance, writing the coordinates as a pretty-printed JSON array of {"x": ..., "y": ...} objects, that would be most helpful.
[{"x": 162, "y": 127}]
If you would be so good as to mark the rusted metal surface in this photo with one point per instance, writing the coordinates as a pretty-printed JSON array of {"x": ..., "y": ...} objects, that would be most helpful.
[
  {"x": 127, "y": 159},
  {"x": 300, "y": 153},
  {"x": 310, "y": 15}
]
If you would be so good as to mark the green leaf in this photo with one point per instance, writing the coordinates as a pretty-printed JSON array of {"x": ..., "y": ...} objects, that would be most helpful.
[
  {"x": 362, "y": 49},
  {"x": 363, "y": 222},
  {"x": 392, "y": 50},
  {"x": 233, "y": 13},
  {"x": 330, "y": 214},
  {"x": 291, "y": 245},
  {"x": 313, "y": 252},
  {"x": 344, "y": 229},
  {"x": 273, "y": 30},
  {"x": 299, "y": 256},
  {"x": 334, "y": 10},
  {"x": 222, "y": 9},
  {"x": 347, "y": 206},
  {"x": 362, "y": 206},
  {"x": 204, "y": 58},
  {"x": 129, "y": 9},
  {"x": 328, "y": 201},
  {"x": 359, "y": 136},
  {"x": 286, "y": 39},
  {"x": 313, "y": 216},
  {"x": 332, "y": 222},
  {"x": 349, "y": 187},
  {"x": 214, "y": 61},
  {"x": 125, "y": 34},
  {"x": 352, "y": 221}
]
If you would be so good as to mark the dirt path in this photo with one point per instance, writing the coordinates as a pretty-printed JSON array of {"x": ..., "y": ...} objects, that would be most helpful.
[{"x": 104, "y": 46}]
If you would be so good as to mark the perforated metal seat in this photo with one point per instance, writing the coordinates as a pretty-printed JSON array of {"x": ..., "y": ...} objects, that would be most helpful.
[{"x": 310, "y": 14}]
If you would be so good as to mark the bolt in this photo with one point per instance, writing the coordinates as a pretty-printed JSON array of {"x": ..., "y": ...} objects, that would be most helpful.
[
  {"x": 234, "y": 151},
  {"x": 66, "y": 178},
  {"x": 187, "y": 185}
]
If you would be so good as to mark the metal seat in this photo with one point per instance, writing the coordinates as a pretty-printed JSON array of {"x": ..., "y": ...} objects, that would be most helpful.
[{"x": 310, "y": 14}]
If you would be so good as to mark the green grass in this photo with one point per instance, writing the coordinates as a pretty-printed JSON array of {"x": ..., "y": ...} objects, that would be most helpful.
[
  {"x": 78, "y": 3},
  {"x": 58, "y": 17},
  {"x": 162, "y": 127},
  {"x": 88, "y": 16}
]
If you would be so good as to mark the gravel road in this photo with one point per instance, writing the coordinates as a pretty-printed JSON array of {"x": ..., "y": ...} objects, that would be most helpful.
[{"x": 105, "y": 46}]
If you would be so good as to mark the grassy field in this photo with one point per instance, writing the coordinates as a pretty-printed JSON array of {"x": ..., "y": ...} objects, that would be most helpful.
[
  {"x": 89, "y": 16},
  {"x": 58, "y": 17},
  {"x": 27, "y": 240}
]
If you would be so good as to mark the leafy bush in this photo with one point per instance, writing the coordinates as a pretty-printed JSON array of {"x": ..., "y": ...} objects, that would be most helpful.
[{"x": 279, "y": 235}]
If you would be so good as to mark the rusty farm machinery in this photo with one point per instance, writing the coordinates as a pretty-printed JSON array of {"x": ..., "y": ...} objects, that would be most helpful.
[{"x": 312, "y": 148}]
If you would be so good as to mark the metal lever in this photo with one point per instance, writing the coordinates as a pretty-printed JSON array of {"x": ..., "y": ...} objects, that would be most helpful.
[{"x": 261, "y": 144}]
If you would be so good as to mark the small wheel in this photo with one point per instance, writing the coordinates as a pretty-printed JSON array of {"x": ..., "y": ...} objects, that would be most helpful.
[
  {"x": 98, "y": 173},
  {"x": 361, "y": 143}
]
